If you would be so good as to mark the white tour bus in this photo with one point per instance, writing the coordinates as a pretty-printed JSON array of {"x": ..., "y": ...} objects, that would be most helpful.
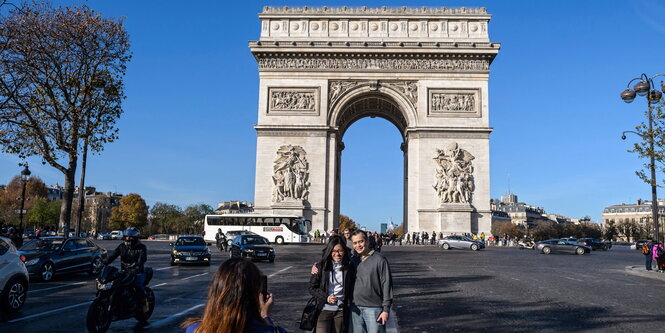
[{"x": 279, "y": 229}]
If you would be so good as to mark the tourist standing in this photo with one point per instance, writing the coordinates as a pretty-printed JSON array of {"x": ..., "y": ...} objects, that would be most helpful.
[
  {"x": 646, "y": 251},
  {"x": 372, "y": 290},
  {"x": 659, "y": 254}
]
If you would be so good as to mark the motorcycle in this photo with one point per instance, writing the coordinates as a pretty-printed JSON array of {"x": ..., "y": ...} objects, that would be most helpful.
[
  {"x": 527, "y": 245},
  {"x": 116, "y": 299}
]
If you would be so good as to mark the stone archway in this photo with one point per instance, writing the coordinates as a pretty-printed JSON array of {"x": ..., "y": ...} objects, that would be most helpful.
[{"x": 423, "y": 69}]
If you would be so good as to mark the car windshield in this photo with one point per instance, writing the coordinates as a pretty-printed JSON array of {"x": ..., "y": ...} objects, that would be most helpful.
[
  {"x": 254, "y": 240},
  {"x": 42, "y": 245},
  {"x": 193, "y": 241}
]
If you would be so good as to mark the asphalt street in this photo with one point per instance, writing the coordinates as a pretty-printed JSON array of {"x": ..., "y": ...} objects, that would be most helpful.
[{"x": 496, "y": 289}]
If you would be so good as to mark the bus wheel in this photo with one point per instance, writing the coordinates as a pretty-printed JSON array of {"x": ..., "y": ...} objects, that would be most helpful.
[{"x": 279, "y": 240}]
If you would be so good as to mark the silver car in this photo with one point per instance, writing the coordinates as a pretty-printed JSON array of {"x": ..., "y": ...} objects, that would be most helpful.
[
  {"x": 561, "y": 245},
  {"x": 13, "y": 277},
  {"x": 460, "y": 242}
]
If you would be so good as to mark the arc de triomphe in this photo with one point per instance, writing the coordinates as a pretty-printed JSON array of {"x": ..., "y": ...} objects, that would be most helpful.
[{"x": 425, "y": 70}]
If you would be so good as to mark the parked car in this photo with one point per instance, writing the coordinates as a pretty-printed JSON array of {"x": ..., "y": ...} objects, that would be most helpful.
[
  {"x": 159, "y": 237},
  {"x": 104, "y": 236},
  {"x": 594, "y": 244},
  {"x": 252, "y": 246},
  {"x": 561, "y": 245},
  {"x": 116, "y": 234},
  {"x": 48, "y": 256},
  {"x": 29, "y": 234},
  {"x": 13, "y": 278},
  {"x": 640, "y": 243},
  {"x": 190, "y": 250},
  {"x": 231, "y": 235},
  {"x": 460, "y": 242}
]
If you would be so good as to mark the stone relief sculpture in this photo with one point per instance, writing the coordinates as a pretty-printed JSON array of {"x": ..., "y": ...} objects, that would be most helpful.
[
  {"x": 443, "y": 102},
  {"x": 454, "y": 174},
  {"x": 337, "y": 88},
  {"x": 372, "y": 64},
  {"x": 291, "y": 174},
  {"x": 373, "y": 11},
  {"x": 284, "y": 100},
  {"x": 409, "y": 89}
]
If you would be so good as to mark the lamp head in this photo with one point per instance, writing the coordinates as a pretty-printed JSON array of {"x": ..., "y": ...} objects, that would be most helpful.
[
  {"x": 25, "y": 173},
  {"x": 642, "y": 88},
  {"x": 623, "y": 136},
  {"x": 655, "y": 96},
  {"x": 628, "y": 95}
]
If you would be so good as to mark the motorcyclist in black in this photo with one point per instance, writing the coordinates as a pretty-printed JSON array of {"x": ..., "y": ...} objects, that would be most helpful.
[
  {"x": 221, "y": 240},
  {"x": 133, "y": 255}
]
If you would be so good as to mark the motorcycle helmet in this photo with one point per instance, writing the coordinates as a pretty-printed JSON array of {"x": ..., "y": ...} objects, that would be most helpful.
[{"x": 131, "y": 236}]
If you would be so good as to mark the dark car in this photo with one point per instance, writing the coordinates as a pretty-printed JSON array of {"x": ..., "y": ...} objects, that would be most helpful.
[
  {"x": 561, "y": 245},
  {"x": 594, "y": 244},
  {"x": 231, "y": 235},
  {"x": 640, "y": 243},
  {"x": 48, "y": 256},
  {"x": 252, "y": 246},
  {"x": 29, "y": 234},
  {"x": 190, "y": 250}
]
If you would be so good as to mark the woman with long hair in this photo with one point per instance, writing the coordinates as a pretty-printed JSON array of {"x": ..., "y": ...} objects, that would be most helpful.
[
  {"x": 235, "y": 302},
  {"x": 332, "y": 284}
]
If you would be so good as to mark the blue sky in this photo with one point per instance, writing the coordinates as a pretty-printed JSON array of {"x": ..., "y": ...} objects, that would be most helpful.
[{"x": 186, "y": 135}]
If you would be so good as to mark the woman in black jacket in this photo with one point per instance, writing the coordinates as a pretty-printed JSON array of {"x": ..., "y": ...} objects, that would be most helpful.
[{"x": 332, "y": 285}]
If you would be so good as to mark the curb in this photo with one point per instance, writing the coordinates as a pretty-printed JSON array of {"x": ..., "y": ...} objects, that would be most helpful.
[{"x": 641, "y": 271}]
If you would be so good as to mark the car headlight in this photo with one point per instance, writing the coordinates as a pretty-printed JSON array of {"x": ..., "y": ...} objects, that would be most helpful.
[
  {"x": 32, "y": 261},
  {"x": 249, "y": 250},
  {"x": 104, "y": 286}
]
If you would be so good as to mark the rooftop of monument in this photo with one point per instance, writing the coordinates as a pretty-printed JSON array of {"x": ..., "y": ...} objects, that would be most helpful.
[{"x": 374, "y": 11}]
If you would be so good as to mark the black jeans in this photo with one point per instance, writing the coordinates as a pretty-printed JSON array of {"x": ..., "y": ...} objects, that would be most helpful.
[{"x": 330, "y": 321}]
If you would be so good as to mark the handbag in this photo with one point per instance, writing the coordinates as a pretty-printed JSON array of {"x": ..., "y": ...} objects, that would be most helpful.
[{"x": 309, "y": 315}]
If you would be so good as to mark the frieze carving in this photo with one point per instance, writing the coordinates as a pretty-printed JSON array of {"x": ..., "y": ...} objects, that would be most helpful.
[
  {"x": 443, "y": 102},
  {"x": 291, "y": 174},
  {"x": 454, "y": 174},
  {"x": 408, "y": 89},
  {"x": 373, "y": 64},
  {"x": 293, "y": 100},
  {"x": 374, "y": 11}
]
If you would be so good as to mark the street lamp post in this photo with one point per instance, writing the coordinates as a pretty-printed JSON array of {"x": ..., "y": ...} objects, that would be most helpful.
[
  {"x": 25, "y": 173},
  {"x": 645, "y": 87}
]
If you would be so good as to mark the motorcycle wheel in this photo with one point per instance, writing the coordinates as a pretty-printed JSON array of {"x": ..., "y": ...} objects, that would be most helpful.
[
  {"x": 98, "y": 319},
  {"x": 150, "y": 298}
]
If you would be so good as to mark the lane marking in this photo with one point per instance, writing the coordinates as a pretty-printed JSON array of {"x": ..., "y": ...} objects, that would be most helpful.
[
  {"x": 430, "y": 268},
  {"x": 193, "y": 276},
  {"x": 173, "y": 317},
  {"x": 569, "y": 278},
  {"x": 57, "y": 287},
  {"x": 515, "y": 279},
  {"x": 49, "y": 312},
  {"x": 163, "y": 268},
  {"x": 159, "y": 285},
  {"x": 279, "y": 271}
]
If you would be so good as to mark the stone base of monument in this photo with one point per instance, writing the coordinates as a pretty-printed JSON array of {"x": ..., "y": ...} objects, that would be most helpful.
[
  {"x": 455, "y": 217},
  {"x": 289, "y": 206}
]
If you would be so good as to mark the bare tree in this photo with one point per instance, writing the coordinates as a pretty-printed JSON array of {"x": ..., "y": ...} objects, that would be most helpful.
[{"x": 61, "y": 85}]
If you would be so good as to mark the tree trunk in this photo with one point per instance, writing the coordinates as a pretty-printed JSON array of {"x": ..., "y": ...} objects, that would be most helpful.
[{"x": 68, "y": 195}]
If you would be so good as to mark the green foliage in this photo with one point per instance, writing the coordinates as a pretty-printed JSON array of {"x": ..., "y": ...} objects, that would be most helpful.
[
  {"x": 44, "y": 213},
  {"x": 193, "y": 221},
  {"x": 165, "y": 218},
  {"x": 61, "y": 83},
  {"x": 611, "y": 231},
  {"x": 643, "y": 148}
]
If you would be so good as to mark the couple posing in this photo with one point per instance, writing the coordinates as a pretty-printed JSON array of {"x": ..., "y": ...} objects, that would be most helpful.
[{"x": 354, "y": 293}]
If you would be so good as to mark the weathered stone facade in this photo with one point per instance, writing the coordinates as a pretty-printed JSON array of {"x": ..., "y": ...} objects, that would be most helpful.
[{"x": 425, "y": 70}]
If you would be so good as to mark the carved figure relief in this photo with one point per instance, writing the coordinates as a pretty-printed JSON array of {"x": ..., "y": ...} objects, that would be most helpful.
[
  {"x": 374, "y": 64},
  {"x": 291, "y": 174},
  {"x": 444, "y": 102},
  {"x": 293, "y": 100},
  {"x": 454, "y": 174},
  {"x": 409, "y": 89},
  {"x": 338, "y": 88}
]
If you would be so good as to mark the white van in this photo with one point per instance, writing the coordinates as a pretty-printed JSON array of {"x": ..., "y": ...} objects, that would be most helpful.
[
  {"x": 13, "y": 278},
  {"x": 116, "y": 234}
]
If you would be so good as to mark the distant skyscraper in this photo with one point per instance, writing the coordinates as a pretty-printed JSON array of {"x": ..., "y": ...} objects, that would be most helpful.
[{"x": 384, "y": 227}]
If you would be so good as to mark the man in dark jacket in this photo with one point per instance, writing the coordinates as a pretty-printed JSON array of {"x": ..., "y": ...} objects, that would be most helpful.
[
  {"x": 372, "y": 288},
  {"x": 133, "y": 255}
]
